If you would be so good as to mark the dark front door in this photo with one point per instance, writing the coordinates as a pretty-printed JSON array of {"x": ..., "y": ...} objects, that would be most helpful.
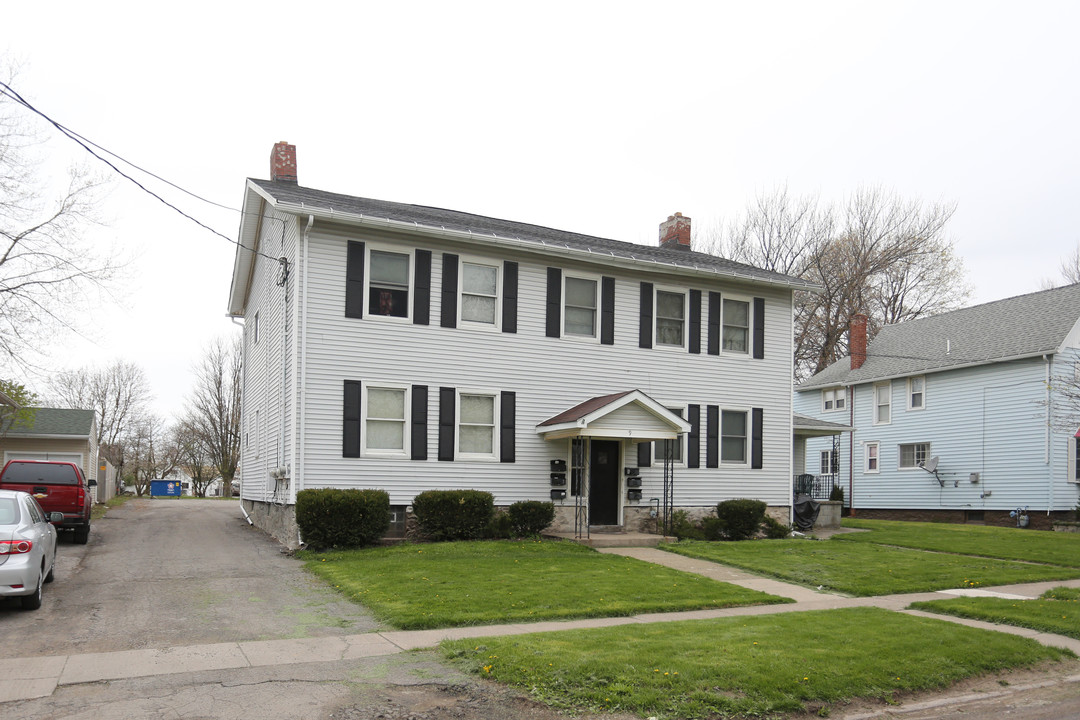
[{"x": 604, "y": 482}]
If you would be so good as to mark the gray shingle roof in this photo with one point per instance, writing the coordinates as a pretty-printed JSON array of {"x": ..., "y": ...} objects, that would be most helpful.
[
  {"x": 1022, "y": 326},
  {"x": 56, "y": 421},
  {"x": 805, "y": 422},
  {"x": 291, "y": 194}
]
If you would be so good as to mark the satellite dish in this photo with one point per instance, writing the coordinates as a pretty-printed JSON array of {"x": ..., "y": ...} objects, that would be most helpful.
[{"x": 930, "y": 466}]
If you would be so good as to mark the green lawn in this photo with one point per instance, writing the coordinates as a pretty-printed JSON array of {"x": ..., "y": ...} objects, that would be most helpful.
[
  {"x": 1039, "y": 546},
  {"x": 749, "y": 666},
  {"x": 1057, "y": 611},
  {"x": 477, "y": 583},
  {"x": 864, "y": 569}
]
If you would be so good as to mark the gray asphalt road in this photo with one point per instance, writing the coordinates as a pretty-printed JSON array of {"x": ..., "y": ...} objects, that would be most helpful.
[{"x": 159, "y": 573}]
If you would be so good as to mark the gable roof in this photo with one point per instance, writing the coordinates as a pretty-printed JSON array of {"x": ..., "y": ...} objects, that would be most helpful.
[
  {"x": 54, "y": 422},
  {"x": 1018, "y": 327},
  {"x": 301, "y": 201},
  {"x": 652, "y": 421}
]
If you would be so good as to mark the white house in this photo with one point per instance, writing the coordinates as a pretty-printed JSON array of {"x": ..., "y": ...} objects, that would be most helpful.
[
  {"x": 957, "y": 416},
  {"x": 409, "y": 348}
]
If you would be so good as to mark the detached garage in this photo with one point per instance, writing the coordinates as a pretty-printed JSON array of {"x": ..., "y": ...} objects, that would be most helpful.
[{"x": 56, "y": 434}]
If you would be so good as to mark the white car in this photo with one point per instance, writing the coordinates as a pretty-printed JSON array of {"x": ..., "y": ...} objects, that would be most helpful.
[{"x": 27, "y": 547}]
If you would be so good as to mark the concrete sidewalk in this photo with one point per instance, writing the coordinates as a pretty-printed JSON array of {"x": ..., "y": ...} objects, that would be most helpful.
[{"x": 35, "y": 677}]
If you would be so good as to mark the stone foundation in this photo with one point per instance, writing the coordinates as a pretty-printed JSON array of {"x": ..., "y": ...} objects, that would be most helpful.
[
  {"x": 277, "y": 521},
  {"x": 1037, "y": 520}
]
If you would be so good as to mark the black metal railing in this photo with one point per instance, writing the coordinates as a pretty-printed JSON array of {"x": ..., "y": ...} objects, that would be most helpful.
[{"x": 818, "y": 487}]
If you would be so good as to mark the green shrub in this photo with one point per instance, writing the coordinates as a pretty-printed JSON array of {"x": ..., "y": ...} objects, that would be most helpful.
[
  {"x": 454, "y": 514},
  {"x": 683, "y": 528},
  {"x": 530, "y": 517},
  {"x": 774, "y": 529},
  {"x": 332, "y": 518},
  {"x": 712, "y": 528},
  {"x": 741, "y": 517},
  {"x": 837, "y": 493},
  {"x": 500, "y": 527}
]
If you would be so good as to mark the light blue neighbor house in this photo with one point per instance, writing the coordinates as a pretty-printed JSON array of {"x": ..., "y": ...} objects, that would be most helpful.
[{"x": 959, "y": 417}]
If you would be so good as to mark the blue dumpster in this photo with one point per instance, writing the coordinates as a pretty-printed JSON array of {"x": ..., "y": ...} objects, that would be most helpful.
[{"x": 165, "y": 487}]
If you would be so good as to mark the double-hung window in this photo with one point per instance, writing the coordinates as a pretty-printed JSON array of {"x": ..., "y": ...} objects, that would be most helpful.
[
  {"x": 676, "y": 444},
  {"x": 916, "y": 392},
  {"x": 579, "y": 310},
  {"x": 733, "y": 436},
  {"x": 477, "y": 425},
  {"x": 872, "y": 457},
  {"x": 835, "y": 399},
  {"x": 479, "y": 293},
  {"x": 670, "y": 318},
  {"x": 912, "y": 455},
  {"x": 388, "y": 283},
  {"x": 736, "y": 332},
  {"x": 385, "y": 420},
  {"x": 883, "y": 404},
  {"x": 830, "y": 462}
]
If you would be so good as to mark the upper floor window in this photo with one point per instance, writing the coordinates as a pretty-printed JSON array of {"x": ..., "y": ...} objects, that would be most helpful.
[
  {"x": 388, "y": 284},
  {"x": 476, "y": 425},
  {"x": 385, "y": 420},
  {"x": 913, "y": 455},
  {"x": 670, "y": 318},
  {"x": 736, "y": 332},
  {"x": 479, "y": 293},
  {"x": 835, "y": 399},
  {"x": 579, "y": 309},
  {"x": 883, "y": 404},
  {"x": 733, "y": 437},
  {"x": 916, "y": 393}
]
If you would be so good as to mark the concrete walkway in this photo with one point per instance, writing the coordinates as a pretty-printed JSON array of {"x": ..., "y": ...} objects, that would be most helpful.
[{"x": 35, "y": 677}]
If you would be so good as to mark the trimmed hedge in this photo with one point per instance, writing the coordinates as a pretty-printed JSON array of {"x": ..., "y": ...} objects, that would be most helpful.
[
  {"x": 530, "y": 517},
  {"x": 332, "y": 518},
  {"x": 740, "y": 518},
  {"x": 454, "y": 514}
]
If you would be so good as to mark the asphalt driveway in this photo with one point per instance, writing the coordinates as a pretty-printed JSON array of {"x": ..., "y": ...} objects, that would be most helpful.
[{"x": 170, "y": 572}]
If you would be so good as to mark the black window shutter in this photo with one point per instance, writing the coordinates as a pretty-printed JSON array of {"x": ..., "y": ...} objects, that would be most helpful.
[
  {"x": 645, "y": 321},
  {"x": 350, "y": 435},
  {"x": 607, "y": 311},
  {"x": 510, "y": 297},
  {"x": 554, "y": 302},
  {"x": 447, "y": 401},
  {"x": 449, "y": 290},
  {"x": 714, "y": 323},
  {"x": 712, "y": 436},
  {"x": 507, "y": 410},
  {"x": 419, "y": 422},
  {"x": 354, "y": 280},
  {"x": 644, "y": 454},
  {"x": 756, "y": 459},
  {"x": 693, "y": 439},
  {"x": 759, "y": 328},
  {"x": 422, "y": 295},
  {"x": 695, "y": 321}
]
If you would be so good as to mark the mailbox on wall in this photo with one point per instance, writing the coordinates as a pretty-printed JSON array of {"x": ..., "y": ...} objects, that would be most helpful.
[{"x": 558, "y": 477}]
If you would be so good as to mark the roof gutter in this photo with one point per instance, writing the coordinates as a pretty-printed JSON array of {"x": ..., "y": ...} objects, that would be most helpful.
[{"x": 527, "y": 246}]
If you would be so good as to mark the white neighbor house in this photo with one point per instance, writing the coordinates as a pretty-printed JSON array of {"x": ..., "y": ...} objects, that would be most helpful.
[{"x": 409, "y": 348}]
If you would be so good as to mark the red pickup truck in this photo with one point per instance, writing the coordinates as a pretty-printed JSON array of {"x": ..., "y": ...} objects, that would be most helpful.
[{"x": 58, "y": 487}]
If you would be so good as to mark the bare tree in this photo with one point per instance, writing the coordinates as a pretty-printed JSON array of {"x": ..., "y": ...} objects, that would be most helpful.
[
  {"x": 118, "y": 394},
  {"x": 193, "y": 455},
  {"x": 149, "y": 452},
  {"x": 877, "y": 254},
  {"x": 1070, "y": 267},
  {"x": 214, "y": 408},
  {"x": 47, "y": 264}
]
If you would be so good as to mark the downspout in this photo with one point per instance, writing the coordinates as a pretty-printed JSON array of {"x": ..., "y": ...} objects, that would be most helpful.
[
  {"x": 301, "y": 361},
  {"x": 243, "y": 397},
  {"x": 1049, "y": 467},
  {"x": 851, "y": 451}
]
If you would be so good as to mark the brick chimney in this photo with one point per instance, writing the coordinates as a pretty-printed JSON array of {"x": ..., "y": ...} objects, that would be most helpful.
[
  {"x": 675, "y": 232},
  {"x": 857, "y": 340},
  {"x": 283, "y": 163}
]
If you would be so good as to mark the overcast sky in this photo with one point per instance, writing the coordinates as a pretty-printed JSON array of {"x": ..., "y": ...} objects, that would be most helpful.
[{"x": 597, "y": 117}]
